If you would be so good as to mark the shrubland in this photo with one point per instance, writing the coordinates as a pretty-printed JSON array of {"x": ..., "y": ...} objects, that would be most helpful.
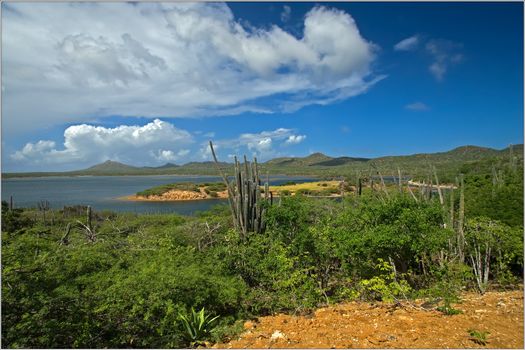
[{"x": 129, "y": 280}]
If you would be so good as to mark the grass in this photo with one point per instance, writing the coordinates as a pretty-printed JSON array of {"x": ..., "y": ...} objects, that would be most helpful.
[{"x": 308, "y": 188}]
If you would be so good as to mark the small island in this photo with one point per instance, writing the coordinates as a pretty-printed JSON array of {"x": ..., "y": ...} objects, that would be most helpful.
[{"x": 183, "y": 191}]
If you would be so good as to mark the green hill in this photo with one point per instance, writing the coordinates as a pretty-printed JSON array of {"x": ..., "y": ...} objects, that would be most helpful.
[
  {"x": 448, "y": 165},
  {"x": 110, "y": 166}
]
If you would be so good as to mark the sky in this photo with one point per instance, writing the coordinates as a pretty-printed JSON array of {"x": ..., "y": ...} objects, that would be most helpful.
[{"x": 151, "y": 83}]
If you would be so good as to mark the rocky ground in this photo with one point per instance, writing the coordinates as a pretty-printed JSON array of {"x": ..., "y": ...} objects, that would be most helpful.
[{"x": 498, "y": 315}]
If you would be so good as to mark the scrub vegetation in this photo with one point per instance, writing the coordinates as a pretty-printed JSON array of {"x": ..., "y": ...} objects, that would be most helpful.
[{"x": 85, "y": 279}]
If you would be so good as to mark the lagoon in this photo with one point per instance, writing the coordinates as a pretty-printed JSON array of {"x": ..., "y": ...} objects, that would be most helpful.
[{"x": 103, "y": 192}]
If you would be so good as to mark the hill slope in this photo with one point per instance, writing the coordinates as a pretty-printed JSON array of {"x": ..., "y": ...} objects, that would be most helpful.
[{"x": 448, "y": 163}]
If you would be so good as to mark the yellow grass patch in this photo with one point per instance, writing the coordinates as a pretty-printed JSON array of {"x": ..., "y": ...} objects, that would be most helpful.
[{"x": 311, "y": 186}]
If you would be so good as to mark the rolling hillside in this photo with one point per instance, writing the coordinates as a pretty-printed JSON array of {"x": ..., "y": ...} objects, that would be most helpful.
[{"x": 448, "y": 164}]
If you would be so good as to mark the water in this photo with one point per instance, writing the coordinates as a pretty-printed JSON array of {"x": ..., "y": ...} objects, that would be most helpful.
[{"x": 102, "y": 192}]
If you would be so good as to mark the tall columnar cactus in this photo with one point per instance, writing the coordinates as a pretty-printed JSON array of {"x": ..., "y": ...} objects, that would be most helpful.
[
  {"x": 247, "y": 203},
  {"x": 461, "y": 219}
]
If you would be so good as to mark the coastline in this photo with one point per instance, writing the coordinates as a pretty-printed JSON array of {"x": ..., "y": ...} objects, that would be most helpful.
[{"x": 174, "y": 196}]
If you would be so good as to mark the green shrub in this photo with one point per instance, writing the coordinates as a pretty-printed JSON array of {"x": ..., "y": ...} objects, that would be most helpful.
[
  {"x": 385, "y": 286},
  {"x": 197, "y": 326}
]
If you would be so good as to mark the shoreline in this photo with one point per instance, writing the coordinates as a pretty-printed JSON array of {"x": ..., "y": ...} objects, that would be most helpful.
[
  {"x": 135, "y": 198},
  {"x": 8, "y": 176}
]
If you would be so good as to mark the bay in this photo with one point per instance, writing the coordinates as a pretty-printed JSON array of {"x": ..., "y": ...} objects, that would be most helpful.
[{"x": 103, "y": 192}]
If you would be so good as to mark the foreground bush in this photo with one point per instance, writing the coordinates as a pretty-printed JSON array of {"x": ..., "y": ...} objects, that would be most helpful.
[{"x": 127, "y": 282}]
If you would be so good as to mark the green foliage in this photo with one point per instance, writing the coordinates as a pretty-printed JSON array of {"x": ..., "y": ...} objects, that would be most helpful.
[
  {"x": 275, "y": 277},
  {"x": 214, "y": 186},
  {"x": 492, "y": 244},
  {"x": 502, "y": 202},
  {"x": 385, "y": 286},
  {"x": 284, "y": 193},
  {"x": 478, "y": 337},
  {"x": 12, "y": 220},
  {"x": 448, "y": 281},
  {"x": 197, "y": 326},
  {"x": 128, "y": 287},
  {"x": 124, "y": 290}
]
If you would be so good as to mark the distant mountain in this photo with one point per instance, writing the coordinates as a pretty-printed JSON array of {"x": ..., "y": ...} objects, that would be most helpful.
[
  {"x": 340, "y": 161},
  {"x": 459, "y": 154},
  {"x": 165, "y": 166},
  {"x": 206, "y": 164},
  {"x": 452, "y": 161},
  {"x": 109, "y": 166},
  {"x": 299, "y": 161}
]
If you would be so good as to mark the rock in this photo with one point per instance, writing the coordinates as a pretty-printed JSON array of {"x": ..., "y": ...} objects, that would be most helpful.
[{"x": 277, "y": 335}]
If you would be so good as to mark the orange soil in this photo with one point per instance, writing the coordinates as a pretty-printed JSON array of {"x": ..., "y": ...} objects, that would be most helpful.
[{"x": 381, "y": 325}]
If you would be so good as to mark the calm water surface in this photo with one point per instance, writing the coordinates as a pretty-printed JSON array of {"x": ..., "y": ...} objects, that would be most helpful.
[{"x": 102, "y": 192}]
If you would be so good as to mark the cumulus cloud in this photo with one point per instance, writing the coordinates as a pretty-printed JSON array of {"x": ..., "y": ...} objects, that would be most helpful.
[
  {"x": 152, "y": 144},
  {"x": 169, "y": 156},
  {"x": 445, "y": 54},
  {"x": 170, "y": 60},
  {"x": 417, "y": 106},
  {"x": 262, "y": 144},
  {"x": 87, "y": 144},
  {"x": 295, "y": 139},
  {"x": 407, "y": 44}
]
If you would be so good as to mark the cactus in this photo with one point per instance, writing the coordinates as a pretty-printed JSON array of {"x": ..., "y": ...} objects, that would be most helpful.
[
  {"x": 461, "y": 219},
  {"x": 247, "y": 204},
  {"x": 441, "y": 200},
  {"x": 399, "y": 183}
]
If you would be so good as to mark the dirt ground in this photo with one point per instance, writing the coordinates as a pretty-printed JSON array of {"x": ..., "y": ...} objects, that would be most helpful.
[{"x": 380, "y": 325}]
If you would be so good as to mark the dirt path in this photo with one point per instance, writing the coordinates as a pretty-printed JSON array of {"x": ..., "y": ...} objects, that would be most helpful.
[{"x": 366, "y": 325}]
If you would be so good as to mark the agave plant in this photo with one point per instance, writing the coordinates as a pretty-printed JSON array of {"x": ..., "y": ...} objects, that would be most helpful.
[{"x": 197, "y": 326}]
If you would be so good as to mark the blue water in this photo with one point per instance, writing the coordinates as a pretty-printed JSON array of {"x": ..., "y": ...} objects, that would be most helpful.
[{"x": 102, "y": 192}]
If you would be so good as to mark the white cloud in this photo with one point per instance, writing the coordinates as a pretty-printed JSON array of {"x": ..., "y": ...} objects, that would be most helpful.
[
  {"x": 87, "y": 144},
  {"x": 445, "y": 54},
  {"x": 261, "y": 145},
  {"x": 285, "y": 15},
  {"x": 295, "y": 139},
  {"x": 407, "y": 44},
  {"x": 34, "y": 150},
  {"x": 169, "y": 156},
  {"x": 74, "y": 60},
  {"x": 417, "y": 106}
]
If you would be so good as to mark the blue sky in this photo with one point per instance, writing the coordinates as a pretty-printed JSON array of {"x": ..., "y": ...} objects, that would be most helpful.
[{"x": 147, "y": 84}]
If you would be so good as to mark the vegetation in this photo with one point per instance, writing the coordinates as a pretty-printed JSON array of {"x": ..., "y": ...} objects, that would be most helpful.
[
  {"x": 478, "y": 337},
  {"x": 100, "y": 279},
  {"x": 209, "y": 188},
  {"x": 316, "y": 188},
  {"x": 197, "y": 326}
]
